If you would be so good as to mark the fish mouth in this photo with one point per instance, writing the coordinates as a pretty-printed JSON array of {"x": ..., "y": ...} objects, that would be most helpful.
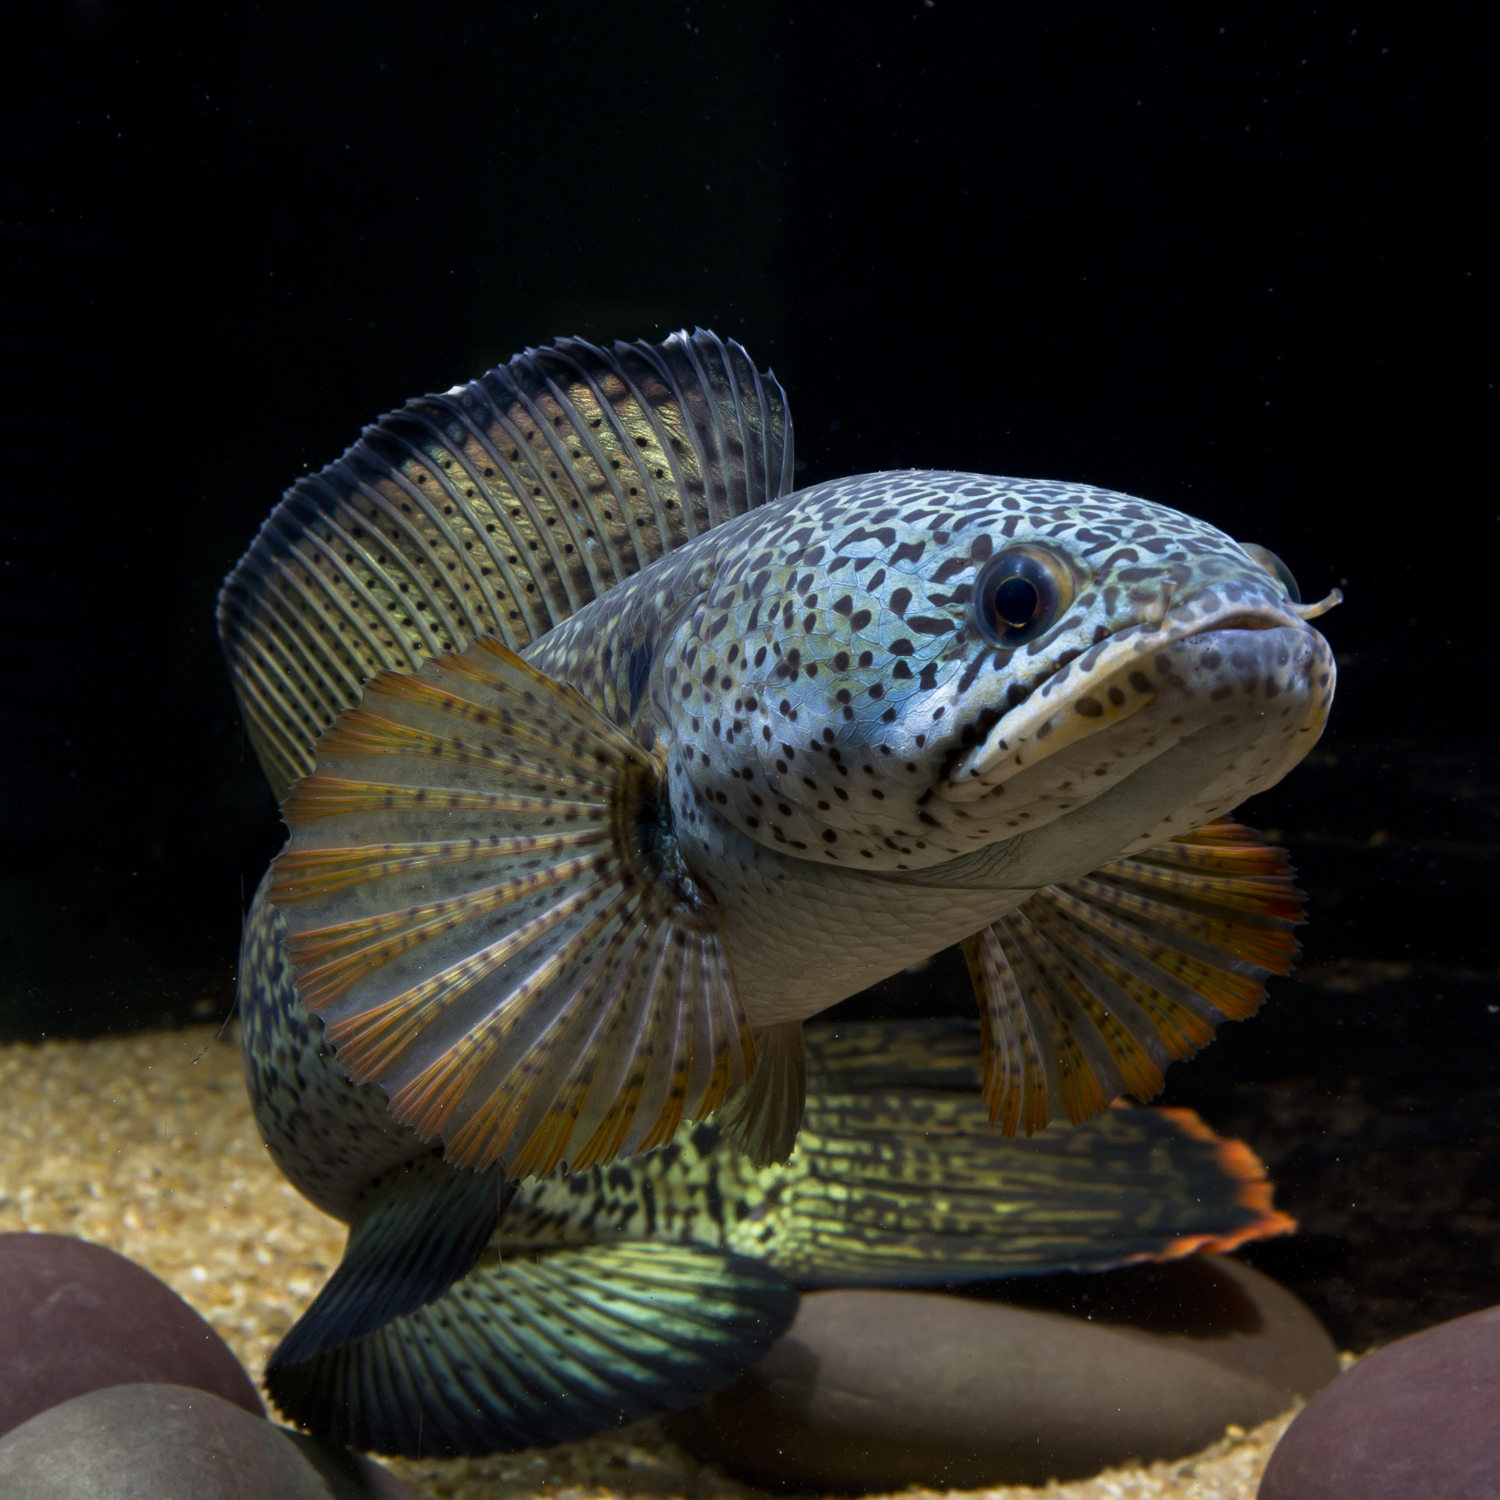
[{"x": 1106, "y": 685}]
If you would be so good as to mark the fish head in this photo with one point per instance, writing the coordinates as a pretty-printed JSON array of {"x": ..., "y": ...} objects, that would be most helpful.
[{"x": 900, "y": 668}]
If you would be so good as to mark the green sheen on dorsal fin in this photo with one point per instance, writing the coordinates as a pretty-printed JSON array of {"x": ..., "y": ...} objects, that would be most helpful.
[
  {"x": 486, "y": 908},
  {"x": 499, "y": 507},
  {"x": 1088, "y": 990},
  {"x": 545, "y": 1349}
]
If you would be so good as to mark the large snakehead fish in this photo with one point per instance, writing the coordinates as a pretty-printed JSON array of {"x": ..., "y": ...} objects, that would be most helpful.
[{"x": 608, "y": 761}]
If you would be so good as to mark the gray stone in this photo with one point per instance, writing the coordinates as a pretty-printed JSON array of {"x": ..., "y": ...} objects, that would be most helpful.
[
  {"x": 1420, "y": 1417},
  {"x": 169, "y": 1442},
  {"x": 882, "y": 1389},
  {"x": 77, "y": 1317}
]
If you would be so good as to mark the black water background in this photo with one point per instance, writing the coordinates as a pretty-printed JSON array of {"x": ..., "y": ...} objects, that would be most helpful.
[{"x": 1232, "y": 260}]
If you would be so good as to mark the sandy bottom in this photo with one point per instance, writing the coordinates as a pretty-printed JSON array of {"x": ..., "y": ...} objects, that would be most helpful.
[{"x": 146, "y": 1144}]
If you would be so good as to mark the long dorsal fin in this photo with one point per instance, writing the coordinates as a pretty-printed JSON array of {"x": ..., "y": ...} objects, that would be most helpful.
[{"x": 500, "y": 507}]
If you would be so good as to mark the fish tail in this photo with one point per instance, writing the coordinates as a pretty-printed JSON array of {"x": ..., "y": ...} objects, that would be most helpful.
[{"x": 528, "y": 1352}]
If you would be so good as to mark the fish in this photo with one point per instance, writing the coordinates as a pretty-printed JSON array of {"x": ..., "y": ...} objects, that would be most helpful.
[
  {"x": 608, "y": 759},
  {"x": 636, "y": 1288}
]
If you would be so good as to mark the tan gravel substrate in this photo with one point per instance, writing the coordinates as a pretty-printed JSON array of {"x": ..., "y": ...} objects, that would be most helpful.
[{"x": 146, "y": 1144}]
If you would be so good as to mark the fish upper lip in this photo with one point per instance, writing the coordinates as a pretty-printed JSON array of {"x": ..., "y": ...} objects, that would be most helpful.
[{"x": 963, "y": 780}]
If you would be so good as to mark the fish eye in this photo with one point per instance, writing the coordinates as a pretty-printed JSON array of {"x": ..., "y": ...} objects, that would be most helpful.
[
  {"x": 1020, "y": 595},
  {"x": 1276, "y": 568}
]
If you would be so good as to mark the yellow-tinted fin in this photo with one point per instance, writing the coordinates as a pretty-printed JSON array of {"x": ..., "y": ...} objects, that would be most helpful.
[
  {"x": 1091, "y": 988},
  {"x": 500, "y": 507},
  {"x": 485, "y": 907},
  {"x": 911, "y": 1187}
]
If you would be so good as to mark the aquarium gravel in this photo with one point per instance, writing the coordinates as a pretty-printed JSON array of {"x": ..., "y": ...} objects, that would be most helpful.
[{"x": 146, "y": 1144}]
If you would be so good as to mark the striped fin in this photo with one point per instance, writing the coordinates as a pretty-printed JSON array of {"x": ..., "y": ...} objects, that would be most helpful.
[
  {"x": 485, "y": 907},
  {"x": 916, "y": 1188},
  {"x": 856, "y": 1057},
  {"x": 1091, "y": 988},
  {"x": 420, "y": 1227},
  {"x": 502, "y": 507},
  {"x": 531, "y": 1352}
]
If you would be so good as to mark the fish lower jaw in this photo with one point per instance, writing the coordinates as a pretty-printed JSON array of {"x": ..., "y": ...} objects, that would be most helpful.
[
  {"x": 1180, "y": 684},
  {"x": 1262, "y": 700}
]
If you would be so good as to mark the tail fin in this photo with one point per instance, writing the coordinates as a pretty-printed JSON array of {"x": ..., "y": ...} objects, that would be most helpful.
[
  {"x": 532, "y": 1352},
  {"x": 907, "y": 1187}
]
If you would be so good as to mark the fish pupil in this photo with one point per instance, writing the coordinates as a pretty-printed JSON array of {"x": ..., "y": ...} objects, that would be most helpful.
[{"x": 1017, "y": 602}]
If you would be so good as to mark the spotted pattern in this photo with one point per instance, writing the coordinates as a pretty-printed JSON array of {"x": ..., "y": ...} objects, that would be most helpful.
[
  {"x": 818, "y": 671},
  {"x": 330, "y": 1137}
]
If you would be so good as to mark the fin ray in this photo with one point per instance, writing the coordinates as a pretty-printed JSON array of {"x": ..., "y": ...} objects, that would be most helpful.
[
  {"x": 1112, "y": 976},
  {"x": 484, "y": 909},
  {"x": 532, "y": 1352},
  {"x": 499, "y": 507}
]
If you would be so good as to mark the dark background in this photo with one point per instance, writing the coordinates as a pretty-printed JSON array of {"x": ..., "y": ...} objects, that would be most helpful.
[{"x": 1229, "y": 259}]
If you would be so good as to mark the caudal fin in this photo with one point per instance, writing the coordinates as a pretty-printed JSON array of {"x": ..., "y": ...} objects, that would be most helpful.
[{"x": 531, "y": 1352}]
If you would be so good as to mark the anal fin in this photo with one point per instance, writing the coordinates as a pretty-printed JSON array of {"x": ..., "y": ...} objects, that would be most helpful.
[
  {"x": 762, "y": 1119},
  {"x": 419, "y": 1229},
  {"x": 913, "y": 1187},
  {"x": 1091, "y": 988}
]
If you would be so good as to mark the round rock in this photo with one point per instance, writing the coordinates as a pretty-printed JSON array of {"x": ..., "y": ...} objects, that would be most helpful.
[
  {"x": 168, "y": 1442},
  {"x": 77, "y": 1317},
  {"x": 1421, "y": 1417},
  {"x": 1058, "y": 1378}
]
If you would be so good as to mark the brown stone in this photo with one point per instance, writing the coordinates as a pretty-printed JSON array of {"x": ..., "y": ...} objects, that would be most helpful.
[
  {"x": 1419, "y": 1418},
  {"x": 168, "y": 1442},
  {"x": 77, "y": 1317},
  {"x": 882, "y": 1389}
]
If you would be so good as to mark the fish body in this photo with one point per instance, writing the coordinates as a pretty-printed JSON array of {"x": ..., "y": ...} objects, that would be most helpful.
[{"x": 608, "y": 761}]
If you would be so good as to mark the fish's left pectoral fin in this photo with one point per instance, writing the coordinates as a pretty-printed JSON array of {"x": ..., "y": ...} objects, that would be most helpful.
[
  {"x": 761, "y": 1119},
  {"x": 531, "y": 1352},
  {"x": 486, "y": 908},
  {"x": 420, "y": 1227},
  {"x": 1091, "y": 988}
]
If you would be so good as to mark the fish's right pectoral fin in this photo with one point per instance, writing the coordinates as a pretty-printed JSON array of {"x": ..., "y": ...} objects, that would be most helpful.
[
  {"x": 486, "y": 908},
  {"x": 546, "y": 1350},
  {"x": 1091, "y": 988}
]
